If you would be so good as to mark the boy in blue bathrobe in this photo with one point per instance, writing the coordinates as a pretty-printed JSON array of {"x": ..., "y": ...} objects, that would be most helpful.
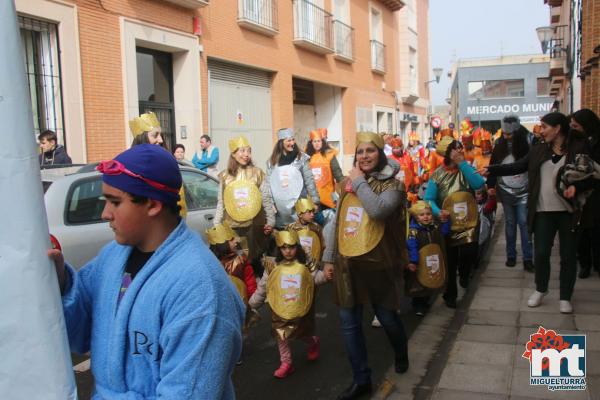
[{"x": 155, "y": 307}]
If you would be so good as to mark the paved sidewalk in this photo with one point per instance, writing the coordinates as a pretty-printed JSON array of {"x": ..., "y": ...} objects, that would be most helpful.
[{"x": 475, "y": 351}]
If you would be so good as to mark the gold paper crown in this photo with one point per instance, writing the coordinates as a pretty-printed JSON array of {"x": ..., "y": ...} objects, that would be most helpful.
[
  {"x": 413, "y": 136},
  {"x": 238, "y": 142},
  {"x": 443, "y": 144},
  {"x": 419, "y": 207},
  {"x": 304, "y": 205},
  {"x": 143, "y": 123},
  {"x": 370, "y": 137},
  {"x": 286, "y": 237},
  {"x": 220, "y": 233}
]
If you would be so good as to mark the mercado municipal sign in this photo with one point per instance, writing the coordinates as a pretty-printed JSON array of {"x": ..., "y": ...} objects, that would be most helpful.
[{"x": 510, "y": 108}]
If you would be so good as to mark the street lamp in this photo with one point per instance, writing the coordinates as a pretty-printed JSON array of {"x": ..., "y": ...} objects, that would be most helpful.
[
  {"x": 545, "y": 34},
  {"x": 437, "y": 72}
]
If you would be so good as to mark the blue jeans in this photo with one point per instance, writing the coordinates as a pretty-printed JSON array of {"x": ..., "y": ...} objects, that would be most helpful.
[
  {"x": 354, "y": 339},
  {"x": 513, "y": 215}
]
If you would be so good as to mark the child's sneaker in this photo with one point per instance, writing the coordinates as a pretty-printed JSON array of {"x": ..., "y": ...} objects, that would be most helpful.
[
  {"x": 284, "y": 370},
  {"x": 314, "y": 350},
  {"x": 375, "y": 323}
]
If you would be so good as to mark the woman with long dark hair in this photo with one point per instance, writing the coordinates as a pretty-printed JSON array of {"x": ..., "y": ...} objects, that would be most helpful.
[
  {"x": 369, "y": 251},
  {"x": 146, "y": 130},
  {"x": 587, "y": 123},
  {"x": 512, "y": 190},
  {"x": 547, "y": 212},
  {"x": 324, "y": 166},
  {"x": 290, "y": 177},
  {"x": 451, "y": 193}
]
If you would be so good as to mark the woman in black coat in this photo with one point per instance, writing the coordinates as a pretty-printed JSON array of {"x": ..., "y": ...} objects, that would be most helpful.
[
  {"x": 588, "y": 247},
  {"x": 547, "y": 212}
]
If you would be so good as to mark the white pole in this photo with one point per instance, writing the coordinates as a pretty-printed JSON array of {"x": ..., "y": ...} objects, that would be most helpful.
[{"x": 35, "y": 362}]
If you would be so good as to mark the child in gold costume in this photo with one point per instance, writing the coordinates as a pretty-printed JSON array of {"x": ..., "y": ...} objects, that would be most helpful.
[
  {"x": 289, "y": 287},
  {"x": 309, "y": 232}
]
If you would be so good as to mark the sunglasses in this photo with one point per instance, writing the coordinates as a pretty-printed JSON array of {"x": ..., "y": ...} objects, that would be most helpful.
[{"x": 114, "y": 167}]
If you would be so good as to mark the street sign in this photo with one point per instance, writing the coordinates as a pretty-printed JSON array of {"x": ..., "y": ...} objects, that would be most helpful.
[{"x": 436, "y": 122}]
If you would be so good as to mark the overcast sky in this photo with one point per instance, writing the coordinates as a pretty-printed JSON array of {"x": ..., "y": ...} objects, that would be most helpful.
[{"x": 481, "y": 28}]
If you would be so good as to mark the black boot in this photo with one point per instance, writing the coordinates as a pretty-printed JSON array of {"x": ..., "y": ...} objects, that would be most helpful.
[
  {"x": 585, "y": 272},
  {"x": 355, "y": 391},
  {"x": 450, "y": 303},
  {"x": 401, "y": 364},
  {"x": 511, "y": 262},
  {"x": 528, "y": 266}
]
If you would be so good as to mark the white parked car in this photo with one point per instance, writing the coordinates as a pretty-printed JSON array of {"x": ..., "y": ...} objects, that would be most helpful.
[{"x": 74, "y": 208}]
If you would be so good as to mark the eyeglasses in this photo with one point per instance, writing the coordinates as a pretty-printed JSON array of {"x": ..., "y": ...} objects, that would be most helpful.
[{"x": 114, "y": 167}]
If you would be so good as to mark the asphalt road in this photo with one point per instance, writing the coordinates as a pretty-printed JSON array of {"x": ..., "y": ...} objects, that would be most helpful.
[{"x": 321, "y": 379}]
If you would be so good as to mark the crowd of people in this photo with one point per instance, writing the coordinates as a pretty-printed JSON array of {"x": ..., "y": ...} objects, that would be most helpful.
[{"x": 165, "y": 314}]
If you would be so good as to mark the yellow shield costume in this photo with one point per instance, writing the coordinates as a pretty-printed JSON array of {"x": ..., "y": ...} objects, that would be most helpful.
[
  {"x": 431, "y": 272},
  {"x": 357, "y": 233},
  {"x": 242, "y": 200},
  {"x": 241, "y": 287},
  {"x": 311, "y": 243},
  {"x": 290, "y": 290},
  {"x": 463, "y": 211}
]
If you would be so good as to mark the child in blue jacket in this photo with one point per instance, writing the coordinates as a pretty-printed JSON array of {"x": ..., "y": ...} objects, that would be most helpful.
[{"x": 425, "y": 230}]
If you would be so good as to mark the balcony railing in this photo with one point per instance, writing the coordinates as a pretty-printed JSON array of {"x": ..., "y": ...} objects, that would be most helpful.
[
  {"x": 259, "y": 16},
  {"x": 559, "y": 51},
  {"x": 377, "y": 56},
  {"x": 344, "y": 41},
  {"x": 312, "y": 27}
]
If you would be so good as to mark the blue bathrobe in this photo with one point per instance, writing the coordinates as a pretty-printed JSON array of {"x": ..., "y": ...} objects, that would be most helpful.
[{"x": 176, "y": 334}]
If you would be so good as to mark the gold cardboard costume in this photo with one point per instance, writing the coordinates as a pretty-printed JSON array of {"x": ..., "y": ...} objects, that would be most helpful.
[
  {"x": 304, "y": 205},
  {"x": 449, "y": 182},
  {"x": 372, "y": 277},
  {"x": 240, "y": 287},
  {"x": 290, "y": 290},
  {"x": 443, "y": 144},
  {"x": 242, "y": 200},
  {"x": 238, "y": 142},
  {"x": 357, "y": 232},
  {"x": 418, "y": 207},
  {"x": 463, "y": 211},
  {"x": 370, "y": 137},
  {"x": 431, "y": 271},
  {"x": 311, "y": 243},
  {"x": 220, "y": 233},
  {"x": 286, "y": 237},
  {"x": 144, "y": 123}
]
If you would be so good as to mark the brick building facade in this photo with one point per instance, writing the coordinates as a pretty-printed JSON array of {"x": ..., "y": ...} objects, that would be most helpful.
[
  {"x": 223, "y": 68},
  {"x": 574, "y": 51}
]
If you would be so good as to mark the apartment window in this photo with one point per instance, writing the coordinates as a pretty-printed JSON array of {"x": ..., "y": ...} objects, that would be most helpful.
[
  {"x": 377, "y": 46},
  {"x": 343, "y": 33},
  {"x": 412, "y": 70},
  {"x": 543, "y": 86},
  {"x": 496, "y": 89},
  {"x": 42, "y": 66}
]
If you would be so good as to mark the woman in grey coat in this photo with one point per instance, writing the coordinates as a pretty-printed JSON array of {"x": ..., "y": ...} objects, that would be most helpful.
[{"x": 290, "y": 177}]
